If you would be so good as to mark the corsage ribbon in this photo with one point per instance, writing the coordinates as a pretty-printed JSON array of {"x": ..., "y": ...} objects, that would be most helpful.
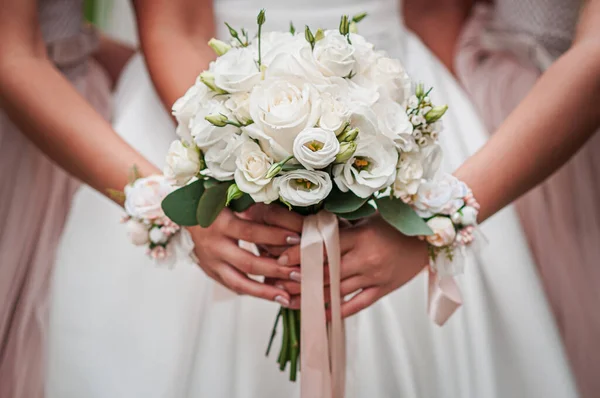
[
  {"x": 322, "y": 356},
  {"x": 443, "y": 297}
]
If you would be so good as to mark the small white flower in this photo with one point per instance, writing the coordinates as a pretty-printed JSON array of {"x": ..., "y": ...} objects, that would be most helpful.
[
  {"x": 157, "y": 236},
  {"x": 221, "y": 157},
  {"x": 372, "y": 167},
  {"x": 205, "y": 133},
  {"x": 137, "y": 232},
  {"x": 143, "y": 198},
  {"x": 281, "y": 108},
  {"x": 183, "y": 163},
  {"x": 316, "y": 148},
  {"x": 252, "y": 167},
  {"x": 334, "y": 55},
  {"x": 409, "y": 175},
  {"x": 236, "y": 71},
  {"x": 239, "y": 105},
  {"x": 304, "y": 187},
  {"x": 412, "y": 102},
  {"x": 444, "y": 232},
  {"x": 443, "y": 196},
  {"x": 417, "y": 120},
  {"x": 468, "y": 216}
]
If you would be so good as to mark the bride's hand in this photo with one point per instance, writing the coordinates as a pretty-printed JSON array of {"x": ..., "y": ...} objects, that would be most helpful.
[
  {"x": 376, "y": 260},
  {"x": 223, "y": 260}
]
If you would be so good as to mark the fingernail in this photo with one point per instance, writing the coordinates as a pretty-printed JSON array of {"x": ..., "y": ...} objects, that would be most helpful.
[
  {"x": 293, "y": 240},
  {"x": 283, "y": 260},
  {"x": 283, "y": 301},
  {"x": 280, "y": 287},
  {"x": 295, "y": 276}
]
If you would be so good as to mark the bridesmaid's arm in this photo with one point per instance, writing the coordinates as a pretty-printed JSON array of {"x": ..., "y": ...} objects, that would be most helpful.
[
  {"x": 48, "y": 109},
  {"x": 438, "y": 24},
  {"x": 113, "y": 55},
  {"x": 174, "y": 36},
  {"x": 554, "y": 121}
]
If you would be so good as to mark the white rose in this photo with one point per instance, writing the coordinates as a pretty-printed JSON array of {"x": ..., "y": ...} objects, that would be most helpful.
[
  {"x": 220, "y": 158},
  {"x": 357, "y": 90},
  {"x": 443, "y": 196},
  {"x": 316, "y": 148},
  {"x": 137, "y": 232},
  {"x": 252, "y": 167},
  {"x": 236, "y": 71},
  {"x": 268, "y": 194},
  {"x": 157, "y": 236},
  {"x": 272, "y": 44},
  {"x": 468, "y": 215},
  {"x": 372, "y": 167},
  {"x": 393, "y": 121},
  {"x": 334, "y": 55},
  {"x": 183, "y": 163},
  {"x": 391, "y": 79},
  {"x": 204, "y": 133},
  {"x": 444, "y": 232},
  {"x": 143, "y": 198},
  {"x": 334, "y": 114},
  {"x": 281, "y": 109},
  {"x": 304, "y": 187},
  {"x": 186, "y": 107},
  {"x": 239, "y": 105},
  {"x": 409, "y": 174},
  {"x": 363, "y": 53}
]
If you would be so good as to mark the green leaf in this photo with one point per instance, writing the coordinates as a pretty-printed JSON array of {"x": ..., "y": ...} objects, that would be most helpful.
[
  {"x": 211, "y": 203},
  {"x": 364, "y": 211},
  {"x": 210, "y": 182},
  {"x": 343, "y": 202},
  {"x": 241, "y": 204},
  {"x": 402, "y": 217},
  {"x": 180, "y": 205}
]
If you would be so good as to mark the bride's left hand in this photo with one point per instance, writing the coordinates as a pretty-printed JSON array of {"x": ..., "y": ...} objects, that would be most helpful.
[{"x": 376, "y": 260}]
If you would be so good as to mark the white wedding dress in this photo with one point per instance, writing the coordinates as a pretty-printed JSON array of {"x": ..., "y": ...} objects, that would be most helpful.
[{"x": 123, "y": 328}]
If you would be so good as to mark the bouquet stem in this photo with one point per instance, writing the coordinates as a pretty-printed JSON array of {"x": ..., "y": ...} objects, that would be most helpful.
[{"x": 290, "y": 343}]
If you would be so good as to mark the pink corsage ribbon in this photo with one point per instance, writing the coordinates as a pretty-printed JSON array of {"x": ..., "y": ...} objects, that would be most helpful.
[
  {"x": 444, "y": 297},
  {"x": 323, "y": 348}
]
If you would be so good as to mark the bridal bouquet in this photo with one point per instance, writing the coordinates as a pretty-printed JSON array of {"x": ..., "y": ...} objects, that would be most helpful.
[{"x": 316, "y": 121}]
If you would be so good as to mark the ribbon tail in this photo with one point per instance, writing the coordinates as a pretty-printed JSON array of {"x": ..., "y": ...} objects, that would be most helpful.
[
  {"x": 328, "y": 226},
  {"x": 316, "y": 377},
  {"x": 444, "y": 297}
]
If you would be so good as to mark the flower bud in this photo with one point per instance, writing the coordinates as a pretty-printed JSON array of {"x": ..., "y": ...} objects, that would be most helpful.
[
  {"x": 218, "y": 46},
  {"x": 208, "y": 79},
  {"x": 233, "y": 193},
  {"x": 436, "y": 113},
  {"x": 232, "y": 31},
  {"x": 347, "y": 150},
  {"x": 348, "y": 136},
  {"x": 309, "y": 36},
  {"x": 420, "y": 90},
  {"x": 218, "y": 120},
  {"x": 359, "y": 17},
  {"x": 319, "y": 35},
  {"x": 353, "y": 28},
  {"x": 292, "y": 28},
  {"x": 273, "y": 171},
  {"x": 344, "y": 25},
  {"x": 260, "y": 19}
]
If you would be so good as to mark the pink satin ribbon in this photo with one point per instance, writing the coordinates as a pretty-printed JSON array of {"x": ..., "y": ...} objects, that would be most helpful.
[
  {"x": 322, "y": 357},
  {"x": 443, "y": 297}
]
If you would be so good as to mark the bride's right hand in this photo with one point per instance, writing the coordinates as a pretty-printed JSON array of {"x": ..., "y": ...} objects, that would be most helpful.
[{"x": 223, "y": 260}]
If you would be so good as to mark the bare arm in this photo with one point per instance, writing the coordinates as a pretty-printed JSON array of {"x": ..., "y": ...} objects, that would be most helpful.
[
  {"x": 174, "y": 36},
  {"x": 438, "y": 24},
  {"x": 113, "y": 55},
  {"x": 48, "y": 109},
  {"x": 557, "y": 117}
]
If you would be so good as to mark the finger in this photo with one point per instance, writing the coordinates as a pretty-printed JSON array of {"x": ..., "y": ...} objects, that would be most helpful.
[
  {"x": 273, "y": 251},
  {"x": 275, "y": 215},
  {"x": 362, "y": 300},
  {"x": 241, "y": 284},
  {"x": 348, "y": 238},
  {"x": 290, "y": 257},
  {"x": 295, "y": 302},
  {"x": 352, "y": 264},
  {"x": 258, "y": 233},
  {"x": 291, "y": 287},
  {"x": 255, "y": 265},
  {"x": 352, "y": 285}
]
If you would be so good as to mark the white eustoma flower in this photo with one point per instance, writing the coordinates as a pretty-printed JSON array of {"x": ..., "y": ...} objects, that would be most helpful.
[
  {"x": 442, "y": 196},
  {"x": 186, "y": 107},
  {"x": 236, "y": 71},
  {"x": 157, "y": 236},
  {"x": 205, "y": 134},
  {"x": 334, "y": 113},
  {"x": 409, "y": 174},
  {"x": 334, "y": 55},
  {"x": 393, "y": 121},
  {"x": 221, "y": 157},
  {"x": 239, "y": 105},
  {"x": 316, "y": 148},
  {"x": 252, "y": 167},
  {"x": 444, "y": 232},
  {"x": 304, "y": 187},
  {"x": 137, "y": 232},
  {"x": 373, "y": 167},
  {"x": 182, "y": 164},
  {"x": 143, "y": 198},
  {"x": 281, "y": 108}
]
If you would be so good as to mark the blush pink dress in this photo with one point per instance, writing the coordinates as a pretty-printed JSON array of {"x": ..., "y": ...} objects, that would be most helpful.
[
  {"x": 502, "y": 52},
  {"x": 34, "y": 200}
]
